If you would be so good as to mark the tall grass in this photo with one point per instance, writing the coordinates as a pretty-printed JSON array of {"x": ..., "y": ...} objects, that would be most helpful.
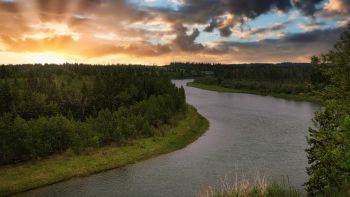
[{"x": 260, "y": 186}]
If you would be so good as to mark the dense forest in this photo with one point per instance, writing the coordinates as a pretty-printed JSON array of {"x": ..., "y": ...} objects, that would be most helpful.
[
  {"x": 285, "y": 78},
  {"x": 49, "y": 109}
]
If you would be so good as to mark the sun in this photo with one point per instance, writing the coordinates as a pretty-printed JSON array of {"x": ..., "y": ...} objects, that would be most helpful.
[{"x": 47, "y": 58}]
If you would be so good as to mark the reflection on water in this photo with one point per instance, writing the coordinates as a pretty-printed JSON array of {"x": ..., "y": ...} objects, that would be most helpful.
[{"x": 247, "y": 132}]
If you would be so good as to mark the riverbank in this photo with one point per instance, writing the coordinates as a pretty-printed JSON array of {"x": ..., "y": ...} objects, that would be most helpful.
[
  {"x": 261, "y": 186},
  {"x": 295, "y": 97},
  {"x": 186, "y": 128},
  {"x": 244, "y": 189}
]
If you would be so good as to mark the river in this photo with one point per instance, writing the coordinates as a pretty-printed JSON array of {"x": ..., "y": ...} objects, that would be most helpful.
[{"x": 248, "y": 133}]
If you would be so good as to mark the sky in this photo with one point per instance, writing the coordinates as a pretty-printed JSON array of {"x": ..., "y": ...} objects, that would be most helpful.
[{"x": 157, "y": 32}]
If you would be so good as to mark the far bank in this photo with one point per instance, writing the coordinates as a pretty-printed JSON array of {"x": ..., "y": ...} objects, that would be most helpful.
[{"x": 295, "y": 97}]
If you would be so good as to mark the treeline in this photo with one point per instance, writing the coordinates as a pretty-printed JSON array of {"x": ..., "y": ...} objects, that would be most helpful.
[
  {"x": 287, "y": 78},
  {"x": 48, "y": 109}
]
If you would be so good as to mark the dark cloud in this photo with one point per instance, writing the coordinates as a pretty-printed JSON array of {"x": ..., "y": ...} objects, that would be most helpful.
[
  {"x": 213, "y": 12},
  {"x": 276, "y": 27},
  {"x": 225, "y": 31},
  {"x": 9, "y": 6},
  {"x": 326, "y": 35},
  {"x": 186, "y": 42},
  {"x": 308, "y": 7},
  {"x": 223, "y": 24},
  {"x": 203, "y": 11},
  {"x": 295, "y": 44},
  {"x": 254, "y": 8},
  {"x": 212, "y": 25},
  {"x": 247, "y": 8},
  {"x": 293, "y": 47}
]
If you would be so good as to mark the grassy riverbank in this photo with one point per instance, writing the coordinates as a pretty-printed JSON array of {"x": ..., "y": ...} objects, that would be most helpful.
[
  {"x": 246, "y": 190},
  {"x": 185, "y": 128},
  {"x": 299, "y": 97},
  {"x": 259, "y": 186}
]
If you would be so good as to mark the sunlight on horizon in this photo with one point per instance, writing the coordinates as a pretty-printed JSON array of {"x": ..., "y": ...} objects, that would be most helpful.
[
  {"x": 48, "y": 58},
  {"x": 137, "y": 31}
]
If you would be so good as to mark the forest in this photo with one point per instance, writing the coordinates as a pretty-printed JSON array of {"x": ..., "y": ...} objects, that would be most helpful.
[
  {"x": 284, "y": 78},
  {"x": 48, "y": 109}
]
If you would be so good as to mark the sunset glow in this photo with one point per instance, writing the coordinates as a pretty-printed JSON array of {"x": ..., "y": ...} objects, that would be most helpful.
[
  {"x": 162, "y": 31},
  {"x": 48, "y": 59}
]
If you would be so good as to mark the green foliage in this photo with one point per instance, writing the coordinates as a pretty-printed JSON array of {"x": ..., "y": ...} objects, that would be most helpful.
[
  {"x": 284, "y": 78},
  {"x": 186, "y": 127},
  {"x": 329, "y": 151},
  {"x": 49, "y": 109}
]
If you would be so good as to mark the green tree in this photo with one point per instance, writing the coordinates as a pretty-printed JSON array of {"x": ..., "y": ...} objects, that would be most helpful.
[
  {"x": 329, "y": 151},
  {"x": 5, "y": 97},
  {"x": 84, "y": 99}
]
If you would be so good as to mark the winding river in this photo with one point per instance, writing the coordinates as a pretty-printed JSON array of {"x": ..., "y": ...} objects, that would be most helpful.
[{"x": 248, "y": 133}]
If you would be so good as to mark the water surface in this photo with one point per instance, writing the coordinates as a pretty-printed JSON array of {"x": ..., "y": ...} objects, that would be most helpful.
[{"x": 247, "y": 132}]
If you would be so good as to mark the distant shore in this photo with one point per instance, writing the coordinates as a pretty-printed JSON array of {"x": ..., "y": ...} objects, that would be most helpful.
[
  {"x": 295, "y": 97},
  {"x": 185, "y": 128}
]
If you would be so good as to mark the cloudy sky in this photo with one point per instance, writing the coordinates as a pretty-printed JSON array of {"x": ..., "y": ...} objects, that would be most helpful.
[{"x": 162, "y": 31}]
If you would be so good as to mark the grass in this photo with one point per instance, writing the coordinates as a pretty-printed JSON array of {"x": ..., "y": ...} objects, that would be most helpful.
[
  {"x": 296, "y": 97},
  {"x": 261, "y": 186},
  {"x": 18, "y": 178},
  {"x": 242, "y": 187}
]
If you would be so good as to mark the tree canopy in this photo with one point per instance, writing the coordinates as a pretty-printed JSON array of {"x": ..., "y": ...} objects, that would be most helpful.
[{"x": 48, "y": 109}]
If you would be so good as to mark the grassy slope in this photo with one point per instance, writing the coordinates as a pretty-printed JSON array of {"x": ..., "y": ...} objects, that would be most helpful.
[
  {"x": 295, "y": 97},
  {"x": 57, "y": 168}
]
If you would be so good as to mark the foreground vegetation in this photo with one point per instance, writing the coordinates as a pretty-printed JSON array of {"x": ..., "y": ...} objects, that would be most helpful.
[
  {"x": 181, "y": 130},
  {"x": 260, "y": 187},
  {"x": 329, "y": 140}
]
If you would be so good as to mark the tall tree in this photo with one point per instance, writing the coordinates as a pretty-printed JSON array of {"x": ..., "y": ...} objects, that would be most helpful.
[{"x": 329, "y": 151}]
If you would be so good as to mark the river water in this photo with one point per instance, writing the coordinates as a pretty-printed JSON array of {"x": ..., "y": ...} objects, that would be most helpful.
[{"x": 247, "y": 134}]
